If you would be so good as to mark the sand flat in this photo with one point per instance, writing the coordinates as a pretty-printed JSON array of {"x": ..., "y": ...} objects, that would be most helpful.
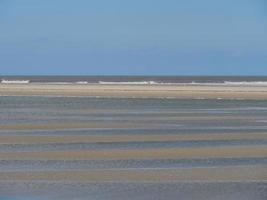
[
  {"x": 177, "y": 153},
  {"x": 146, "y": 91},
  {"x": 42, "y": 139},
  {"x": 44, "y": 162},
  {"x": 142, "y": 123},
  {"x": 71, "y": 125},
  {"x": 210, "y": 174}
]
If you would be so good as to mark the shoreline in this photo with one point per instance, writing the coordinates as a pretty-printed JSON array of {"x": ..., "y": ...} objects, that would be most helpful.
[{"x": 136, "y": 91}]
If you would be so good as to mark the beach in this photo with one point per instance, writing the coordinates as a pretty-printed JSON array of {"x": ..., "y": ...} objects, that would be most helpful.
[
  {"x": 133, "y": 100},
  {"x": 63, "y": 143},
  {"x": 138, "y": 91},
  {"x": 202, "y": 175}
]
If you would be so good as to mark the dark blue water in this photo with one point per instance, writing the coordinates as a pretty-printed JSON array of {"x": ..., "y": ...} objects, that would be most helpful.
[{"x": 159, "y": 79}]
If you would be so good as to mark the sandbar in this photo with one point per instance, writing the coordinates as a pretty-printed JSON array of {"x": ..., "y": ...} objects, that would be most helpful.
[{"x": 140, "y": 91}]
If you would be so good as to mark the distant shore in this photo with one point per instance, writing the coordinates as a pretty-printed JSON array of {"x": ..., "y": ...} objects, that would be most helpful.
[{"x": 136, "y": 91}]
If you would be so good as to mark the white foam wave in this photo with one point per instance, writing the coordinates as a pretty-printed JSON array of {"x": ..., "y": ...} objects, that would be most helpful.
[
  {"x": 15, "y": 81},
  {"x": 81, "y": 82},
  {"x": 131, "y": 83},
  {"x": 68, "y": 83},
  {"x": 247, "y": 83},
  {"x": 229, "y": 83},
  {"x": 225, "y": 83}
]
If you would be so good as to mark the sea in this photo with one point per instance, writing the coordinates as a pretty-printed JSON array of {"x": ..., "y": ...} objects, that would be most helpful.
[
  {"x": 221, "y": 80},
  {"x": 41, "y": 117}
]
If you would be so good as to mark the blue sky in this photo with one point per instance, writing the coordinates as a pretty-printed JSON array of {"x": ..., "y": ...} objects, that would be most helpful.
[{"x": 140, "y": 37}]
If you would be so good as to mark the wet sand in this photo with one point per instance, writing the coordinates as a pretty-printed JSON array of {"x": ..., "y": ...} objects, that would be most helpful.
[
  {"x": 143, "y": 91},
  {"x": 44, "y": 139},
  {"x": 142, "y": 149},
  {"x": 212, "y": 174},
  {"x": 181, "y": 153},
  {"x": 69, "y": 125}
]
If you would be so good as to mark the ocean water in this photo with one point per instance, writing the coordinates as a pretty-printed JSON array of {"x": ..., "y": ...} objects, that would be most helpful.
[
  {"x": 221, "y": 80},
  {"x": 132, "y": 117}
]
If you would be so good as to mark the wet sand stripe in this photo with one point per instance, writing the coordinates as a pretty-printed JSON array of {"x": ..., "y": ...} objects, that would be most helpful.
[
  {"x": 72, "y": 125},
  {"x": 59, "y": 165},
  {"x": 213, "y": 174},
  {"x": 177, "y": 153},
  {"x": 41, "y": 139}
]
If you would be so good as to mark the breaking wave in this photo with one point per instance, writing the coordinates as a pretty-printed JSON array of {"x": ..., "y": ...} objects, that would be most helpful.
[
  {"x": 247, "y": 83},
  {"x": 131, "y": 83},
  {"x": 15, "y": 81}
]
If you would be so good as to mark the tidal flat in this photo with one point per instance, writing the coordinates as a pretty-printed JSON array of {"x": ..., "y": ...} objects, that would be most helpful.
[{"x": 132, "y": 148}]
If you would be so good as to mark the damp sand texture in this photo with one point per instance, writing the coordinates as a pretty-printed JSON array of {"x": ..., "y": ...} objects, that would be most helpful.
[{"x": 132, "y": 148}]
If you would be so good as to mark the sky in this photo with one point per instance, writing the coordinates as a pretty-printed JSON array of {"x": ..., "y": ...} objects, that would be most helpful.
[{"x": 133, "y": 37}]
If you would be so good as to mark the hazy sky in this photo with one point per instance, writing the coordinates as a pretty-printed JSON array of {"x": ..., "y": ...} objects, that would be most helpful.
[{"x": 150, "y": 37}]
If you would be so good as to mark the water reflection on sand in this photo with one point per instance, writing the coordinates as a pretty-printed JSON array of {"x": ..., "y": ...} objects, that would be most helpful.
[{"x": 137, "y": 149}]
